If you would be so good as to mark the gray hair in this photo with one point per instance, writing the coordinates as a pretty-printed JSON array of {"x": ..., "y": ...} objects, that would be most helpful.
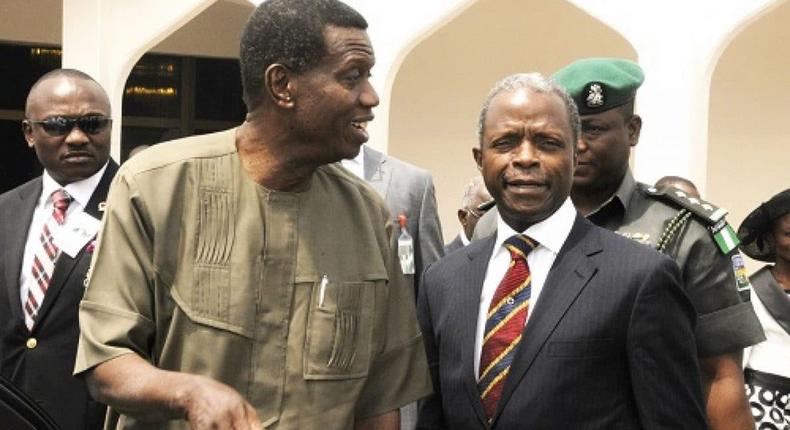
[
  {"x": 537, "y": 83},
  {"x": 469, "y": 191}
]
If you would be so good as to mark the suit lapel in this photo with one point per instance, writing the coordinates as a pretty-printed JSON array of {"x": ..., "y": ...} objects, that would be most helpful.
[
  {"x": 377, "y": 171},
  {"x": 64, "y": 266},
  {"x": 472, "y": 276},
  {"x": 775, "y": 300},
  {"x": 570, "y": 273},
  {"x": 15, "y": 235}
]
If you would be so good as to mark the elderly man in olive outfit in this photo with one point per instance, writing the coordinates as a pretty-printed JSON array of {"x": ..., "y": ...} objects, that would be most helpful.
[
  {"x": 243, "y": 280},
  {"x": 689, "y": 230}
]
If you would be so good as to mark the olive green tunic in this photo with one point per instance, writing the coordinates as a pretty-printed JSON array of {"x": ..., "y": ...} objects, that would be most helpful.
[
  {"x": 725, "y": 323},
  {"x": 294, "y": 299}
]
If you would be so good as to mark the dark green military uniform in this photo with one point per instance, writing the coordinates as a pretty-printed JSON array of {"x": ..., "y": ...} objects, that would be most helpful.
[{"x": 654, "y": 218}]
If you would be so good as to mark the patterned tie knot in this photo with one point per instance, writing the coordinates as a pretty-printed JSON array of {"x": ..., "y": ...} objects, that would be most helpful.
[
  {"x": 519, "y": 246},
  {"x": 60, "y": 202}
]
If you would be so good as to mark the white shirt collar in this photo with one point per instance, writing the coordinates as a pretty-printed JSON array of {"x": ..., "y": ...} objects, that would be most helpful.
[
  {"x": 465, "y": 240},
  {"x": 549, "y": 233},
  {"x": 81, "y": 191},
  {"x": 356, "y": 165}
]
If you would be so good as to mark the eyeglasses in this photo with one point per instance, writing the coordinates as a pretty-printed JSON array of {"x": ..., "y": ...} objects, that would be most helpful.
[
  {"x": 61, "y": 126},
  {"x": 480, "y": 210}
]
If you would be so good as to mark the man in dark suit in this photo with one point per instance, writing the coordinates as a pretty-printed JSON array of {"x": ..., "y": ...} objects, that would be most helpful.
[
  {"x": 475, "y": 193},
  {"x": 48, "y": 233},
  {"x": 553, "y": 323}
]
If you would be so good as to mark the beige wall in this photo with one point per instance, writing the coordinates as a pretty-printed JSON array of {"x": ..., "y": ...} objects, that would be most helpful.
[
  {"x": 31, "y": 21},
  {"x": 749, "y": 147},
  {"x": 441, "y": 85},
  {"x": 213, "y": 33}
]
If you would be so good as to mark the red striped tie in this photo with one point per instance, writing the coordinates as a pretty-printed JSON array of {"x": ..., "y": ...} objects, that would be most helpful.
[
  {"x": 44, "y": 258},
  {"x": 504, "y": 323}
]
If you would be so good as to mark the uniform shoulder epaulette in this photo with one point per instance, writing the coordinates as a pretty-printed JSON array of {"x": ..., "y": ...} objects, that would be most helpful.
[
  {"x": 707, "y": 213},
  {"x": 710, "y": 215}
]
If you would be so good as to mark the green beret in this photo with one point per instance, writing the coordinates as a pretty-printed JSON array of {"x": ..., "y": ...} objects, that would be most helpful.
[{"x": 600, "y": 84}]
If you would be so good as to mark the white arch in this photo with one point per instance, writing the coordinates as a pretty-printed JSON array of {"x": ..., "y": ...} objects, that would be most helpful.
[
  {"x": 105, "y": 38},
  {"x": 678, "y": 44}
]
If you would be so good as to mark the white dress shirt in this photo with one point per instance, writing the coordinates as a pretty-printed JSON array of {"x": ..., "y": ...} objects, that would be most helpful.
[
  {"x": 773, "y": 354},
  {"x": 464, "y": 240},
  {"x": 80, "y": 192},
  {"x": 551, "y": 234},
  {"x": 356, "y": 165}
]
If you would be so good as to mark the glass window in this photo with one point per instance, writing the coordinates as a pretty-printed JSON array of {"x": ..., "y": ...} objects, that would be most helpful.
[
  {"x": 218, "y": 90},
  {"x": 20, "y": 68},
  {"x": 18, "y": 163},
  {"x": 154, "y": 87}
]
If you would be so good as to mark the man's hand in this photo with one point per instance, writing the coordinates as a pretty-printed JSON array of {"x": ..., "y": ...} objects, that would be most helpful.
[
  {"x": 134, "y": 387},
  {"x": 722, "y": 383},
  {"x": 212, "y": 405}
]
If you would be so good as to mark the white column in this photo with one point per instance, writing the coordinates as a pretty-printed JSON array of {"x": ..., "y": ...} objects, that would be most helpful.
[{"x": 105, "y": 38}]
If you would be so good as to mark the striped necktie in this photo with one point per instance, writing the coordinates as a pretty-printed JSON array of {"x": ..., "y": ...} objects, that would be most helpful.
[
  {"x": 505, "y": 322},
  {"x": 44, "y": 257}
]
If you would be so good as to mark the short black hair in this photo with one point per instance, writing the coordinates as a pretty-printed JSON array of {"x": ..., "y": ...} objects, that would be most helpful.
[{"x": 289, "y": 32}]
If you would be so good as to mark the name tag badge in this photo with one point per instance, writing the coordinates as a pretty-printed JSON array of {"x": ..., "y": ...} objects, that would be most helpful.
[{"x": 79, "y": 229}]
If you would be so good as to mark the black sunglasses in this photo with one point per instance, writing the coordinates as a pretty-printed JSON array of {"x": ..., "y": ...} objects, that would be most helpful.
[{"x": 60, "y": 126}]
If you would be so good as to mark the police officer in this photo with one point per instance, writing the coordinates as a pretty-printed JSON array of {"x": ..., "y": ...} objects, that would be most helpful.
[{"x": 691, "y": 231}]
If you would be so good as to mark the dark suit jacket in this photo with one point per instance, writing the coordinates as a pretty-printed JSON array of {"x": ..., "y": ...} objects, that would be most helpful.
[
  {"x": 45, "y": 371},
  {"x": 609, "y": 345},
  {"x": 457, "y": 243},
  {"x": 408, "y": 190}
]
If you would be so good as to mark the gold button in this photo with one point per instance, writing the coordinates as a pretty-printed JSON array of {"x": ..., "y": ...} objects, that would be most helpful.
[{"x": 31, "y": 343}]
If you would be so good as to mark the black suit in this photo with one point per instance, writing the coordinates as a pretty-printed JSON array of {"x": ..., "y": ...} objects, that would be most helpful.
[
  {"x": 44, "y": 371},
  {"x": 609, "y": 344}
]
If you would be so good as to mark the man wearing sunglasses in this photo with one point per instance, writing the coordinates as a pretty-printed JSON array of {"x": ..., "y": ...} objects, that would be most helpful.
[{"x": 47, "y": 234}]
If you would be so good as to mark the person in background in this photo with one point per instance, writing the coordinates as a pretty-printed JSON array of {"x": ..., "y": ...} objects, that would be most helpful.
[
  {"x": 409, "y": 191},
  {"x": 553, "y": 322},
  {"x": 48, "y": 233},
  {"x": 691, "y": 231},
  {"x": 138, "y": 149},
  {"x": 243, "y": 279},
  {"x": 765, "y": 236},
  {"x": 475, "y": 193},
  {"x": 680, "y": 183}
]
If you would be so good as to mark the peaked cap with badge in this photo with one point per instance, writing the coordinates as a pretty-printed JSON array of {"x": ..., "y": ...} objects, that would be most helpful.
[
  {"x": 600, "y": 84},
  {"x": 691, "y": 231}
]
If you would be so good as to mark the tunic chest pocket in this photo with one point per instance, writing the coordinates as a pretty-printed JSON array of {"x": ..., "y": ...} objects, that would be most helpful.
[
  {"x": 339, "y": 329},
  {"x": 209, "y": 288}
]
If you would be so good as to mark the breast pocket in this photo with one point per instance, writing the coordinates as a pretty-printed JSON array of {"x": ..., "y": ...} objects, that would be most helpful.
[
  {"x": 210, "y": 287},
  {"x": 340, "y": 329}
]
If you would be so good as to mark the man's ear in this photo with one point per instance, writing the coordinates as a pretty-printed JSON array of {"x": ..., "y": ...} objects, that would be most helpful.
[
  {"x": 634, "y": 128},
  {"x": 27, "y": 130},
  {"x": 278, "y": 80},
  {"x": 462, "y": 217},
  {"x": 478, "y": 156}
]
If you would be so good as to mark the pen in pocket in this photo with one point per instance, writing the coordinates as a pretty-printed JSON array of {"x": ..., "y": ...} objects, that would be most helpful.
[{"x": 322, "y": 290}]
